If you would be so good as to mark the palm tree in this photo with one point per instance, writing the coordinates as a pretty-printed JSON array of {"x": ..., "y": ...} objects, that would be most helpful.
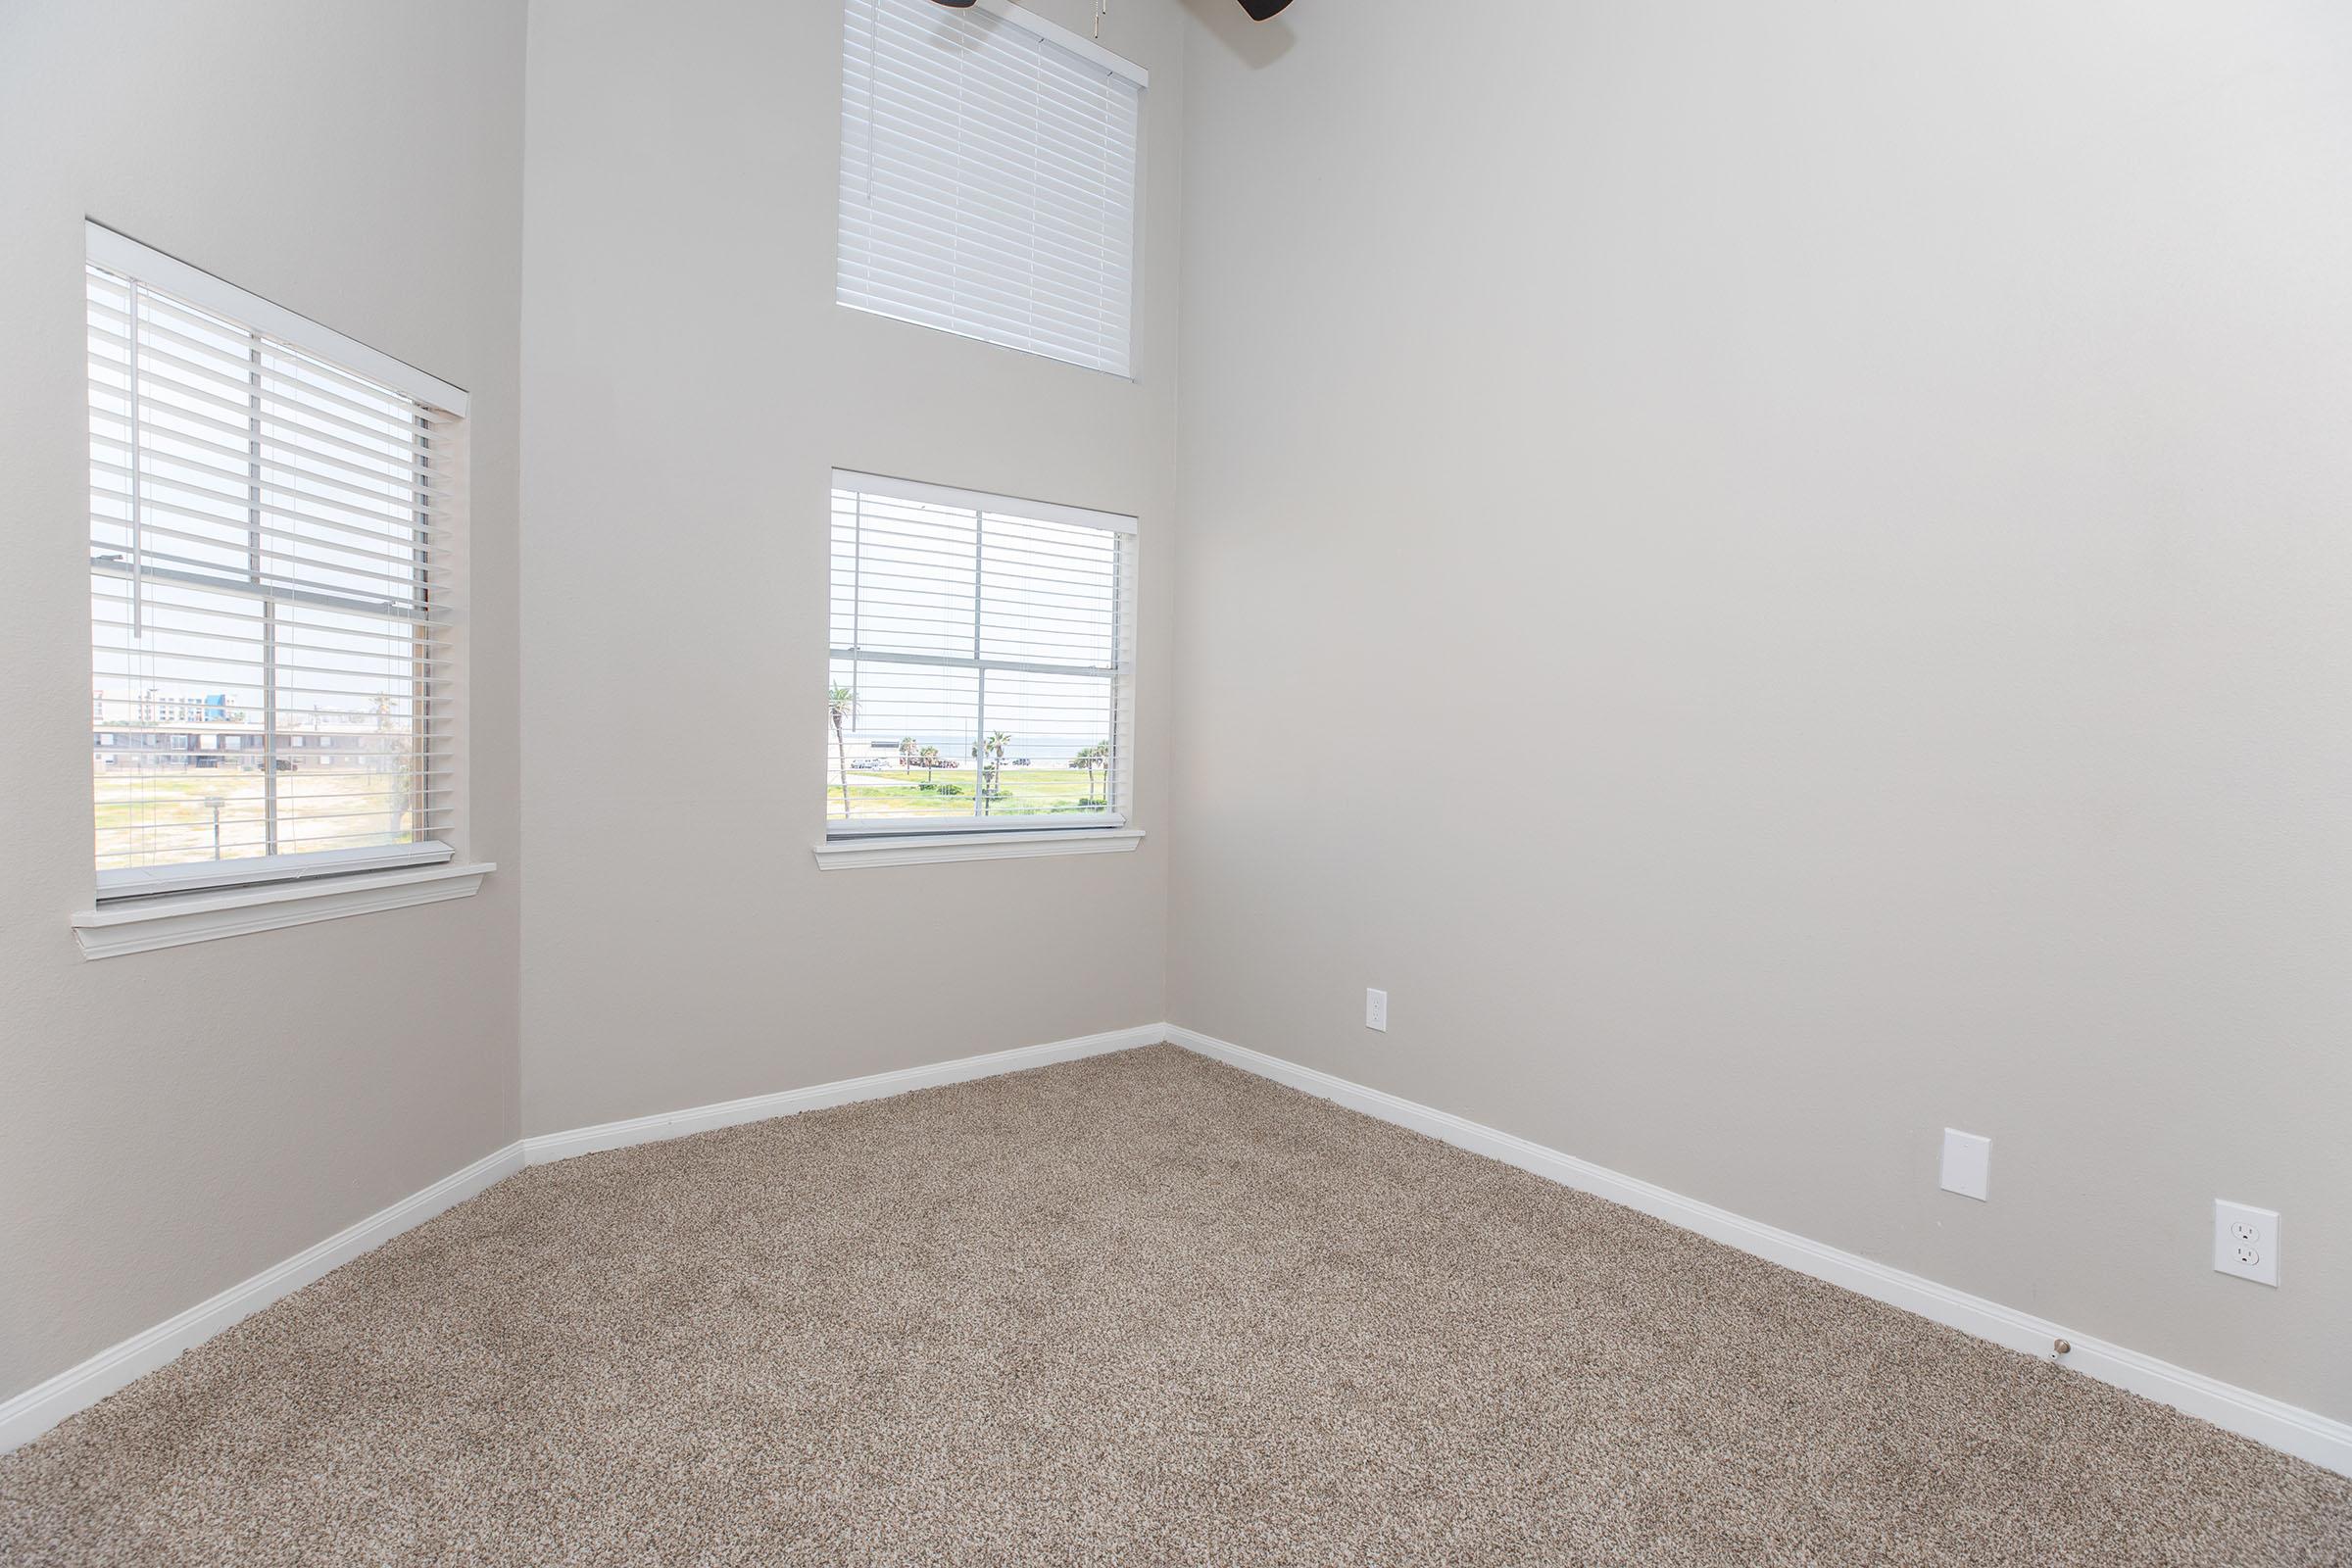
[
  {"x": 840, "y": 697},
  {"x": 1092, "y": 759},
  {"x": 992, "y": 787},
  {"x": 906, "y": 753},
  {"x": 927, "y": 758}
]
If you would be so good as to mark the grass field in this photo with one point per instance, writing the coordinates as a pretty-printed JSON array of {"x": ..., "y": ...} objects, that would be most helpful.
[
  {"x": 167, "y": 816},
  {"x": 1026, "y": 791}
]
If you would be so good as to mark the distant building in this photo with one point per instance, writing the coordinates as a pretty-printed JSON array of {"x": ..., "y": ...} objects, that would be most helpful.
[
  {"x": 153, "y": 730},
  {"x": 152, "y": 706}
]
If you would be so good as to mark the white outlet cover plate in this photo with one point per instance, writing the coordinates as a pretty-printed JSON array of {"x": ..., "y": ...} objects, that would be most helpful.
[
  {"x": 1376, "y": 1011},
  {"x": 1967, "y": 1164},
  {"x": 2245, "y": 1240}
]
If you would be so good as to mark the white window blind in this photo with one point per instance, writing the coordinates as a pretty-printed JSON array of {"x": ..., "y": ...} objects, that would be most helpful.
[
  {"x": 983, "y": 662},
  {"x": 273, "y": 529},
  {"x": 988, "y": 178}
]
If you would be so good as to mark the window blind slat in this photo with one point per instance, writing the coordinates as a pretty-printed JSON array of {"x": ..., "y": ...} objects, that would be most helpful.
[
  {"x": 307, "y": 457},
  {"x": 272, "y": 596},
  {"x": 224, "y": 383},
  {"x": 957, "y": 618},
  {"x": 988, "y": 182},
  {"x": 284, "y": 526}
]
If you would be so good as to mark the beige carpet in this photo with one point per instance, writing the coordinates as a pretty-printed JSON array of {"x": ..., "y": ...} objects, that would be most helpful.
[{"x": 1138, "y": 1310}]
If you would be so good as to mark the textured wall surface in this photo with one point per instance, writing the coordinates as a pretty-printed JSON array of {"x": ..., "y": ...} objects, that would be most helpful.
[
  {"x": 1777, "y": 574},
  {"x": 174, "y": 1123},
  {"x": 689, "y": 386}
]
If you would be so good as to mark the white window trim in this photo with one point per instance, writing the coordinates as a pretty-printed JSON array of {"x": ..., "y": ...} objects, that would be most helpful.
[
  {"x": 141, "y": 910},
  {"x": 231, "y": 876},
  {"x": 974, "y": 827},
  {"x": 1077, "y": 44},
  {"x": 947, "y": 495},
  {"x": 118, "y": 253},
  {"x": 143, "y": 925},
  {"x": 852, "y": 845},
  {"x": 865, "y": 854}
]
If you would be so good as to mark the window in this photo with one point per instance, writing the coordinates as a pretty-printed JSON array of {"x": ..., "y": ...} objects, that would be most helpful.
[
  {"x": 983, "y": 664},
  {"x": 988, "y": 178},
  {"x": 272, "y": 544}
]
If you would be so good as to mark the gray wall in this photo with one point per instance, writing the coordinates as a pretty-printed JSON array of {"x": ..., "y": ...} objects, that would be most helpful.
[
  {"x": 1807, "y": 597},
  {"x": 690, "y": 384},
  {"x": 1797, "y": 558},
  {"x": 162, "y": 1136}
]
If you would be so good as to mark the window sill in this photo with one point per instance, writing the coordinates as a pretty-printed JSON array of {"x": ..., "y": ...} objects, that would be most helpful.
[
  {"x": 142, "y": 926},
  {"x": 853, "y": 854}
]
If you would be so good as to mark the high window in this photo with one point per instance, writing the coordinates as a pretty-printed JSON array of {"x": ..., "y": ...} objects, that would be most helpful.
[
  {"x": 988, "y": 178},
  {"x": 272, "y": 526},
  {"x": 983, "y": 667}
]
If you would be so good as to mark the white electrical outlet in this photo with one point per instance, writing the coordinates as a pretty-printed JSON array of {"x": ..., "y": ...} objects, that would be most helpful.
[
  {"x": 1967, "y": 1165},
  {"x": 2245, "y": 1242},
  {"x": 1376, "y": 1011}
]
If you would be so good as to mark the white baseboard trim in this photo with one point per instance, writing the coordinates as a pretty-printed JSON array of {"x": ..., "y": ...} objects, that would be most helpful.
[
  {"x": 2305, "y": 1433},
  {"x": 790, "y": 1101},
  {"x": 34, "y": 1411}
]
